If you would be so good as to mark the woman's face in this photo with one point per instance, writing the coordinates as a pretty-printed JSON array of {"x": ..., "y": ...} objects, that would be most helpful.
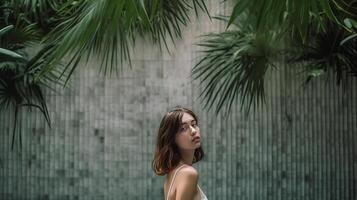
[{"x": 188, "y": 135}]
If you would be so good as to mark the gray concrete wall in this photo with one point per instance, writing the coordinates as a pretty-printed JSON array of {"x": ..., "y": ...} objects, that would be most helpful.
[{"x": 301, "y": 145}]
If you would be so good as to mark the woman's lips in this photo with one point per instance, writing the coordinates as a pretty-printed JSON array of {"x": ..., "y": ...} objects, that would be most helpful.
[{"x": 196, "y": 139}]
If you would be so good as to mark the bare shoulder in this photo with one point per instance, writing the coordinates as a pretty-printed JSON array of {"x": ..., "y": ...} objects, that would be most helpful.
[
  {"x": 188, "y": 173},
  {"x": 187, "y": 183}
]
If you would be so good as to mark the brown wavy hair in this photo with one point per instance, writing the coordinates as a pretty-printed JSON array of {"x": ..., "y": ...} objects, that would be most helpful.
[{"x": 167, "y": 154}]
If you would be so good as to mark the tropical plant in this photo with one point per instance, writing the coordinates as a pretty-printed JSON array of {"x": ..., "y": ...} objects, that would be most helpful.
[
  {"x": 328, "y": 50},
  {"x": 293, "y": 15},
  {"x": 234, "y": 65},
  {"x": 167, "y": 17},
  {"x": 109, "y": 28},
  {"x": 234, "y": 62},
  {"x": 77, "y": 29},
  {"x": 17, "y": 88},
  {"x": 352, "y": 28}
]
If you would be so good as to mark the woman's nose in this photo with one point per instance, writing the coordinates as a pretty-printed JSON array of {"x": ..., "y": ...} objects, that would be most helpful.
[{"x": 193, "y": 130}]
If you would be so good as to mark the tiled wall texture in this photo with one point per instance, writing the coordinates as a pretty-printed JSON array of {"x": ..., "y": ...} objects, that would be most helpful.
[{"x": 302, "y": 145}]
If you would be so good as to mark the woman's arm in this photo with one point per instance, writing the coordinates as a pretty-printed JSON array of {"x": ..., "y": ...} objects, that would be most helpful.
[{"x": 187, "y": 184}]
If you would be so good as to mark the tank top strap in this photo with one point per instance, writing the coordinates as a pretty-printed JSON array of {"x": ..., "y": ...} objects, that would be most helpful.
[
  {"x": 203, "y": 196},
  {"x": 173, "y": 179},
  {"x": 199, "y": 187}
]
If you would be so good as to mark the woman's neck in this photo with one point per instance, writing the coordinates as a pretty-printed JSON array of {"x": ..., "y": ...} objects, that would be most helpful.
[{"x": 187, "y": 157}]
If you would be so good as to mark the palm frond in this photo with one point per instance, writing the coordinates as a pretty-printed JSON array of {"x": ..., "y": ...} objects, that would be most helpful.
[
  {"x": 108, "y": 29},
  {"x": 294, "y": 15},
  {"x": 167, "y": 17},
  {"x": 17, "y": 89},
  {"x": 7, "y": 55},
  {"x": 40, "y": 12},
  {"x": 328, "y": 51},
  {"x": 105, "y": 28},
  {"x": 233, "y": 68},
  {"x": 18, "y": 31},
  {"x": 35, "y": 65},
  {"x": 6, "y": 29},
  {"x": 17, "y": 85}
]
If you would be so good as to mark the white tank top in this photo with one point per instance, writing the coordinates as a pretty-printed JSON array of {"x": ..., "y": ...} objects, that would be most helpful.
[{"x": 203, "y": 196}]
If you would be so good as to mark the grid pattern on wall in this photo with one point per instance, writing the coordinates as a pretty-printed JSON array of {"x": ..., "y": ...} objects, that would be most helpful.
[{"x": 300, "y": 145}]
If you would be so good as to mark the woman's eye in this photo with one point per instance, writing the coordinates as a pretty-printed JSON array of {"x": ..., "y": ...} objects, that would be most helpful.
[{"x": 186, "y": 127}]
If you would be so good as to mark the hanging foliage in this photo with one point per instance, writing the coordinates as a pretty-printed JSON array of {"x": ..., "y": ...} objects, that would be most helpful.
[{"x": 233, "y": 66}]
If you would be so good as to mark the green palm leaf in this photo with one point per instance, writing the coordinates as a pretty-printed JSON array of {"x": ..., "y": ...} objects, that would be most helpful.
[
  {"x": 294, "y": 15},
  {"x": 331, "y": 50},
  {"x": 108, "y": 29},
  {"x": 7, "y": 55},
  {"x": 17, "y": 89},
  {"x": 233, "y": 67},
  {"x": 92, "y": 26},
  {"x": 6, "y": 29},
  {"x": 42, "y": 12},
  {"x": 167, "y": 17}
]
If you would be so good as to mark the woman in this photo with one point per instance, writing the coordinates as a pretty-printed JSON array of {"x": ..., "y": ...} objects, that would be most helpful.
[{"x": 178, "y": 147}]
